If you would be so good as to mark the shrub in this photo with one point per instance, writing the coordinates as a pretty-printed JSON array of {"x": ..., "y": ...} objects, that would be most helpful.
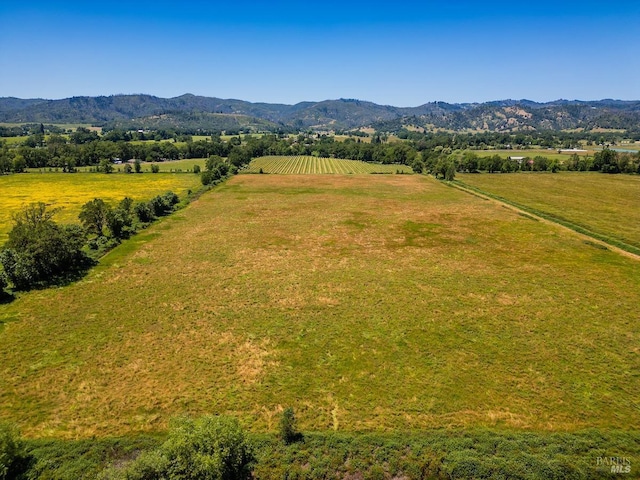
[
  {"x": 170, "y": 198},
  {"x": 207, "y": 448},
  {"x": 287, "y": 427},
  {"x": 12, "y": 453},
  {"x": 196, "y": 169},
  {"x": 3, "y": 282},
  {"x": 155, "y": 168}
]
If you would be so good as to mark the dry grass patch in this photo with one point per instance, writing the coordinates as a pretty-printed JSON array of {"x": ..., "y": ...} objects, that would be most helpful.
[{"x": 365, "y": 302}]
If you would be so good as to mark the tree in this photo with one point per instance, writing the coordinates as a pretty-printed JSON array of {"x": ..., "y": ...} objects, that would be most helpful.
[
  {"x": 144, "y": 212},
  {"x": 606, "y": 161},
  {"x": 450, "y": 171},
  {"x": 137, "y": 165},
  {"x": 119, "y": 221},
  {"x": 105, "y": 165},
  {"x": 40, "y": 252},
  {"x": 93, "y": 216}
]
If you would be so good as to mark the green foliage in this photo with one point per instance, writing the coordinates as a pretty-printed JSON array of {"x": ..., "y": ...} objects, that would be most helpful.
[
  {"x": 119, "y": 222},
  {"x": 162, "y": 205},
  {"x": 105, "y": 166},
  {"x": 287, "y": 427},
  {"x": 93, "y": 216},
  {"x": 12, "y": 453},
  {"x": 81, "y": 459},
  {"x": 206, "y": 448},
  {"x": 215, "y": 169},
  {"x": 137, "y": 165},
  {"x": 155, "y": 168},
  {"x": 196, "y": 169},
  {"x": 126, "y": 204},
  {"x": 144, "y": 212},
  {"x": 40, "y": 252}
]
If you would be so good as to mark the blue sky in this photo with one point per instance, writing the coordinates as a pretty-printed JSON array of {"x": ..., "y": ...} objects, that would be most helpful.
[{"x": 397, "y": 53}]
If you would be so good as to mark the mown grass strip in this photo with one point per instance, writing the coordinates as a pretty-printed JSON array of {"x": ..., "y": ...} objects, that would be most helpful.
[{"x": 552, "y": 218}]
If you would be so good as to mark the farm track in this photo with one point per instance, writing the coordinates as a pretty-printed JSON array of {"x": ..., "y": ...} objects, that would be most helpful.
[{"x": 585, "y": 234}]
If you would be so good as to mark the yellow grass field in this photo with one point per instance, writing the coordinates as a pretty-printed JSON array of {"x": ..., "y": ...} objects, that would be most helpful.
[{"x": 70, "y": 191}]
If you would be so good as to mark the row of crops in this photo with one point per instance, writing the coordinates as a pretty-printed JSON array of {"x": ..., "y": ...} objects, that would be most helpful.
[{"x": 305, "y": 164}]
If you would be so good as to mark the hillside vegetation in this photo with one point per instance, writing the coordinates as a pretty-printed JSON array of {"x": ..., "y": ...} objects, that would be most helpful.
[{"x": 186, "y": 110}]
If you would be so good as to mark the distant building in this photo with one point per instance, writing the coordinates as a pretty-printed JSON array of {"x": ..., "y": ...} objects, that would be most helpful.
[{"x": 571, "y": 150}]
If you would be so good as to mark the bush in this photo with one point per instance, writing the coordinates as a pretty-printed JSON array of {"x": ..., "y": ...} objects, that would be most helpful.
[
  {"x": 207, "y": 448},
  {"x": 3, "y": 282},
  {"x": 12, "y": 453},
  {"x": 155, "y": 168},
  {"x": 196, "y": 169}
]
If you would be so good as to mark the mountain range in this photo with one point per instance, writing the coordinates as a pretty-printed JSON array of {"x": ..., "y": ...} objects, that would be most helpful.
[{"x": 147, "y": 111}]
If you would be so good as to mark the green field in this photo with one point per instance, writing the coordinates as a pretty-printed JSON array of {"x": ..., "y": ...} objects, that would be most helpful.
[
  {"x": 608, "y": 205},
  {"x": 551, "y": 154},
  {"x": 305, "y": 164},
  {"x": 368, "y": 303},
  {"x": 70, "y": 191}
]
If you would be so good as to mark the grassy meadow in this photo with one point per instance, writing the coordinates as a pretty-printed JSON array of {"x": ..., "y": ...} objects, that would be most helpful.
[
  {"x": 366, "y": 302},
  {"x": 605, "y": 204},
  {"x": 551, "y": 154},
  {"x": 70, "y": 191},
  {"x": 306, "y": 164}
]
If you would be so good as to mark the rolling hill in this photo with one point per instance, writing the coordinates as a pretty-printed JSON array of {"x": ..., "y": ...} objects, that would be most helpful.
[{"x": 341, "y": 114}]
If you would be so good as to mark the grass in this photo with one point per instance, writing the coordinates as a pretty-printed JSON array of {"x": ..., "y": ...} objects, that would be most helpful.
[
  {"x": 304, "y": 164},
  {"x": 367, "y": 303},
  {"x": 607, "y": 205},
  {"x": 551, "y": 154},
  {"x": 71, "y": 191}
]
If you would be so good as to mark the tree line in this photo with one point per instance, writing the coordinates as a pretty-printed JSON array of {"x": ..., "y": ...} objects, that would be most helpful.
[{"x": 432, "y": 153}]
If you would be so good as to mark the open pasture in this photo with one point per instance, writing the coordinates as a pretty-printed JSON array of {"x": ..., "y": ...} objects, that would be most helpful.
[
  {"x": 551, "y": 154},
  {"x": 306, "y": 164},
  {"x": 366, "y": 303},
  {"x": 605, "y": 204},
  {"x": 69, "y": 191}
]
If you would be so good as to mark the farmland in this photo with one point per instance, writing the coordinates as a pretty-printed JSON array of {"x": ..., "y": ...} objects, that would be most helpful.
[
  {"x": 71, "y": 191},
  {"x": 306, "y": 164},
  {"x": 368, "y": 303},
  {"x": 608, "y": 205}
]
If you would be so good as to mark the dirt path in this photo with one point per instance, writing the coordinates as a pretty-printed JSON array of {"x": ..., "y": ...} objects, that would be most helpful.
[{"x": 597, "y": 241}]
